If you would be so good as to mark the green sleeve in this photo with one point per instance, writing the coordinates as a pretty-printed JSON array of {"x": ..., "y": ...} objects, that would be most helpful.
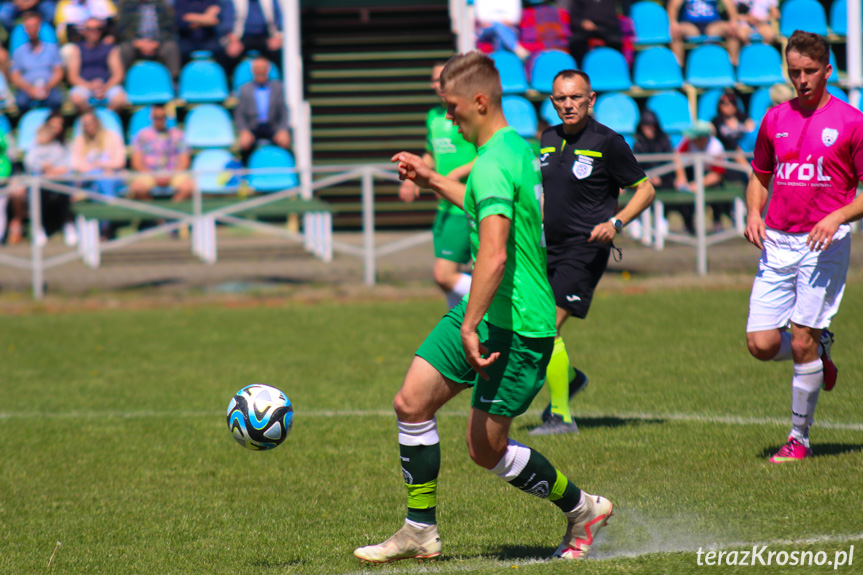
[{"x": 494, "y": 190}]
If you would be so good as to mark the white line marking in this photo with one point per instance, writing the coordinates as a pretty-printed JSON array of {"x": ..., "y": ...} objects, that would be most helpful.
[
  {"x": 444, "y": 567},
  {"x": 637, "y": 416}
]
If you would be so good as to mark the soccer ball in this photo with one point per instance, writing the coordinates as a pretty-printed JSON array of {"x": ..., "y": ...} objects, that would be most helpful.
[{"x": 260, "y": 417}]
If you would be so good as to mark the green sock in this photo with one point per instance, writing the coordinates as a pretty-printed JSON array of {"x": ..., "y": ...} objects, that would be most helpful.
[
  {"x": 539, "y": 477},
  {"x": 420, "y": 467},
  {"x": 558, "y": 375}
]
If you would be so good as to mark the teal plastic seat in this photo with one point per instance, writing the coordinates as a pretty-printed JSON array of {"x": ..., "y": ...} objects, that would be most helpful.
[
  {"x": 521, "y": 115},
  {"x": 617, "y": 111},
  {"x": 607, "y": 69},
  {"x": 546, "y": 66},
  {"x": 18, "y": 37},
  {"x": 709, "y": 67},
  {"x": 657, "y": 69},
  {"x": 209, "y": 126},
  {"x": 672, "y": 110},
  {"x": 549, "y": 114},
  {"x": 28, "y": 124},
  {"x": 651, "y": 23},
  {"x": 109, "y": 120},
  {"x": 212, "y": 171},
  {"x": 149, "y": 83},
  {"x": 759, "y": 103},
  {"x": 203, "y": 81},
  {"x": 760, "y": 65},
  {"x": 512, "y": 77},
  {"x": 806, "y": 15},
  {"x": 270, "y": 157}
]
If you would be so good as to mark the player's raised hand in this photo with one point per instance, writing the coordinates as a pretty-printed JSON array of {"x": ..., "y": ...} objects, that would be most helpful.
[
  {"x": 755, "y": 230},
  {"x": 822, "y": 234},
  {"x": 412, "y": 167},
  {"x": 408, "y": 191},
  {"x": 474, "y": 351}
]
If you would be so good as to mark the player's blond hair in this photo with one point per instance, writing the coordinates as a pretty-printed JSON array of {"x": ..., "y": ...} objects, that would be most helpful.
[
  {"x": 470, "y": 73},
  {"x": 809, "y": 44}
]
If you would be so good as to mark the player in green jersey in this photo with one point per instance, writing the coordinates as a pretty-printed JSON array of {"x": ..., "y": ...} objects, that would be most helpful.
[
  {"x": 504, "y": 357},
  {"x": 449, "y": 154}
]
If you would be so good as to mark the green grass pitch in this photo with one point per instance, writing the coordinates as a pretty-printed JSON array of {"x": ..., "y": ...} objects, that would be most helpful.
[{"x": 114, "y": 443}]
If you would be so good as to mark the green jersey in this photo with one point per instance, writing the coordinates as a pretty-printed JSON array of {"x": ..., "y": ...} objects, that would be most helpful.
[
  {"x": 448, "y": 148},
  {"x": 506, "y": 180}
]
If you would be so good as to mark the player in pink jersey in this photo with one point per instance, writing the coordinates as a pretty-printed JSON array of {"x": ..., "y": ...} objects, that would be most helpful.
[{"x": 812, "y": 148}]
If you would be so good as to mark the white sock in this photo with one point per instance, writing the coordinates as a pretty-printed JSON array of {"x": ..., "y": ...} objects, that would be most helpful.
[
  {"x": 784, "y": 353},
  {"x": 423, "y": 433},
  {"x": 417, "y": 524},
  {"x": 513, "y": 461},
  {"x": 805, "y": 387},
  {"x": 459, "y": 290}
]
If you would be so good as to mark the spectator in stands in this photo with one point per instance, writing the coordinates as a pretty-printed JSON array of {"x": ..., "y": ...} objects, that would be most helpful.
[
  {"x": 72, "y": 15},
  {"x": 497, "y": 24},
  {"x": 157, "y": 153},
  {"x": 757, "y": 16},
  {"x": 698, "y": 138},
  {"x": 253, "y": 25},
  {"x": 650, "y": 138},
  {"x": 730, "y": 125},
  {"x": 544, "y": 26},
  {"x": 595, "y": 22},
  {"x": 198, "y": 26},
  {"x": 12, "y": 10},
  {"x": 146, "y": 29},
  {"x": 261, "y": 113},
  {"x": 36, "y": 68},
  {"x": 97, "y": 151},
  {"x": 95, "y": 70},
  {"x": 48, "y": 157},
  {"x": 700, "y": 18}
]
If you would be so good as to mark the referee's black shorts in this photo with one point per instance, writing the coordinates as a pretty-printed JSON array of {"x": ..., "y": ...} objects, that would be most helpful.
[{"x": 574, "y": 271}]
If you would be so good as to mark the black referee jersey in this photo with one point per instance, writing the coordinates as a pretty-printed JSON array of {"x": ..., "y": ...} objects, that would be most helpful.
[{"x": 581, "y": 178}]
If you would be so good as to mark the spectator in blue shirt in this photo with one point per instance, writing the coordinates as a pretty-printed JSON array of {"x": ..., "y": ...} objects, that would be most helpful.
[
  {"x": 253, "y": 25},
  {"x": 37, "y": 69},
  {"x": 261, "y": 113},
  {"x": 198, "y": 26},
  {"x": 702, "y": 18},
  {"x": 11, "y": 10}
]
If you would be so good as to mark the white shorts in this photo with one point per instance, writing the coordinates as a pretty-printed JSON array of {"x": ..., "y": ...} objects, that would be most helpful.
[{"x": 796, "y": 285}]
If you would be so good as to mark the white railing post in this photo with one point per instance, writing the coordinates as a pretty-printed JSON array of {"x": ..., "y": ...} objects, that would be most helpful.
[
  {"x": 368, "y": 186},
  {"x": 36, "y": 233}
]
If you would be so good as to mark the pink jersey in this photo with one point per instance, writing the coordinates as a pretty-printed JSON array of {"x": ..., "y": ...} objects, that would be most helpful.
[{"x": 816, "y": 159}]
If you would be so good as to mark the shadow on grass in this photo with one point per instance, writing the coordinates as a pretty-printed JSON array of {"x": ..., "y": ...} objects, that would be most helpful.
[
  {"x": 606, "y": 422},
  {"x": 820, "y": 449}
]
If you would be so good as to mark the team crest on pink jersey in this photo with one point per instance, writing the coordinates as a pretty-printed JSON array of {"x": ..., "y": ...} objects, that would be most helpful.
[{"x": 828, "y": 136}]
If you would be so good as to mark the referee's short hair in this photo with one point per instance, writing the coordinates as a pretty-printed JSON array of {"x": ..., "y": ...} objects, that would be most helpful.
[
  {"x": 567, "y": 74},
  {"x": 808, "y": 44},
  {"x": 470, "y": 73}
]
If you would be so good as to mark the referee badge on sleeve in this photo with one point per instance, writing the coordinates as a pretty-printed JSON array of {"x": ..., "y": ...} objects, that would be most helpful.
[{"x": 582, "y": 167}]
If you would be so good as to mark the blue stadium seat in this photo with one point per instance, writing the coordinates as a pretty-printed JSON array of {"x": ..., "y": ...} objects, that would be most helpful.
[
  {"x": 651, "y": 23},
  {"x": 709, "y": 67},
  {"x": 209, "y": 126},
  {"x": 549, "y": 114},
  {"x": 149, "y": 82},
  {"x": 213, "y": 177},
  {"x": 759, "y": 103},
  {"x": 27, "y": 126},
  {"x": 839, "y": 17},
  {"x": 5, "y": 126},
  {"x": 521, "y": 115},
  {"x": 546, "y": 65},
  {"x": 243, "y": 74},
  {"x": 806, "y": 15},
  {"x": 607, "y": 69},
  {"x": 837, "y": 92},
  {"x": 19, "y": 36},
  {"x": 617, "y": 111},
  {"x": 109, "y": 120},
  {"x": 269, "y": 157},
  {"x": 760, "y": 65},
  {"x": 141, "y": 119},
  {"x": 834, "y": 76},
  {"x": 203, "y": 81},
  {"x": 747, "y": 140},
  {"x": 672, "y": 109},
  {"x": 512, "y": 77},
  {"x": 657, "y": 69}
]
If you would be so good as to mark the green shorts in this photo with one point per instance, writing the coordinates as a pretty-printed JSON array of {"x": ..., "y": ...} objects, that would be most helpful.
[
  {"x": 514, "y": 379},
  {"x": 451, "y": 236}
]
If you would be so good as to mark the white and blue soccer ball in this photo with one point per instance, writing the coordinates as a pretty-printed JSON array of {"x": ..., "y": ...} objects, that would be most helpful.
[{"x": 260, "y": 417}]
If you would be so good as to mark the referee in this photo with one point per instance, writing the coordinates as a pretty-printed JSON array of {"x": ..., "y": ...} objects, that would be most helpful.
[{"x": 584, "y": 166}]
